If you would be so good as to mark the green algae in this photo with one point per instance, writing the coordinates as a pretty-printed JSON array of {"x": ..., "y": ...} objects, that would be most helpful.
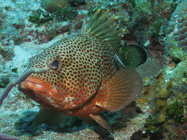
[
  {"x": 175, "y": 110},
  {"x": 40, "y": 17},
  {"x": 4, "y": 80},
  {"x": 67, "y": 13},
  {"x": 153, "y": 126},
  {"x": 76, "y": 2},
  {"x": 6, "y": 52}
]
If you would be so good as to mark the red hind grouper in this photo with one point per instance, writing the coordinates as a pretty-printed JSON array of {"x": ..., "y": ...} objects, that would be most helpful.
[{"x": 83, "y": 76}]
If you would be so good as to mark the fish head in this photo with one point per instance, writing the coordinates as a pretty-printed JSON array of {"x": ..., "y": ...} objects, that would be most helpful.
[{"x": 70, "y": 80}]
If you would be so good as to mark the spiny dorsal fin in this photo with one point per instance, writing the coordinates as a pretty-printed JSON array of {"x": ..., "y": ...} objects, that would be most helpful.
[
  {"x": 120, "y": 90},
  {"x": 101, "y": 26}
]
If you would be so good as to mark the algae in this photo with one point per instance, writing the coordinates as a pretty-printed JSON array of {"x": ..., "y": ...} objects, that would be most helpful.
[
  {"x": 40, "y": 17},
  {"x": 175, "y": 110},
  {"x": 67, "y": 13}
]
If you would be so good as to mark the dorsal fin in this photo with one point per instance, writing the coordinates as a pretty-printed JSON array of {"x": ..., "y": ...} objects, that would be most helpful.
[{"x": 101, "y": 26}]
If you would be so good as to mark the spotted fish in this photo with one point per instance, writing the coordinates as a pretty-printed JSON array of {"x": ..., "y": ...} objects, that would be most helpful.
[{"x": 83, "y": 76}]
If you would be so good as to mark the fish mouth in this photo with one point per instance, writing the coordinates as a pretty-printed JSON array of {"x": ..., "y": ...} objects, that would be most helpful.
[
  {"x": 38, "y": 90},
  {"x": 33, "y": 85}
]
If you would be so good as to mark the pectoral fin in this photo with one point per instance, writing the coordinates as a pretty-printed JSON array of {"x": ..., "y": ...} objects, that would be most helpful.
[{"x": 120, "y": 90}]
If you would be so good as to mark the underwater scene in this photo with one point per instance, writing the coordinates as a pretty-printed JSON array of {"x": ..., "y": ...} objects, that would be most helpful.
[{"x": 93, "y": 69}]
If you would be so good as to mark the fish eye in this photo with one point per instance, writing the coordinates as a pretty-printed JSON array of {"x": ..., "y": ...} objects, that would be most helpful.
[{"x": 54, "y": 65}]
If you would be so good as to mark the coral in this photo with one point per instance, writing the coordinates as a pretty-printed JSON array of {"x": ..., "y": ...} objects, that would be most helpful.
[
  {"x": 53, "y": 5},
  {"x": 174, "y": 121},
  {"x": 168, "y": 100},
  {"x": 151, "y": 68},
  {"x": 161, "y": 96},
  {"x": 175, "y": 109},
  {"x": 4, "y": 80},
  {"x": 66, "y": 13},
  {"x": 76, "y": 2},
  {"x": 39, "y": 17},
  {"x": 147, "y": 25},
  {"x": 144, "y": 22},
  {"x": 153, "y": 128},
  {"x": 14, "y": 20},
  {"x": 2, "y": 16},
  {"x": 6, "y": 52},
  {"x": 176, "y": 40}
]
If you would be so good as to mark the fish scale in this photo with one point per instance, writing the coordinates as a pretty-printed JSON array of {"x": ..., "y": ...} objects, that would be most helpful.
[
  {"x": 82, "y": 77},
  {"x": 84, "y": 63}
]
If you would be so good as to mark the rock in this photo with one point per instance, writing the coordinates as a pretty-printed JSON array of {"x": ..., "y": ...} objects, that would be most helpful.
[{"x": 176, "y": 40}]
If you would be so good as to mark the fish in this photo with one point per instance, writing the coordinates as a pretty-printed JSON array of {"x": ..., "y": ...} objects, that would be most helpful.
[{"x": 84, "y": 76}]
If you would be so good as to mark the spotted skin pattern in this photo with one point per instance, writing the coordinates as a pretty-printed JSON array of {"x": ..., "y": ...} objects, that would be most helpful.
[{"x": 86, "y": 63}]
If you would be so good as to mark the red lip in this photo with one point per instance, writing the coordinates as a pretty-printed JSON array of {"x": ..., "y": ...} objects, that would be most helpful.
[
  {"x": 37, "y": 86},
  {"x": 32, "y": 85},
  {"x": 38, "y": 90}
]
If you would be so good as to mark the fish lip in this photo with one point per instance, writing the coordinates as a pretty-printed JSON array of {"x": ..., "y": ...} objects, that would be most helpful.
[
  {"x": 37, "y": 86},
  {"x": 32, "y": 82},
  {"x": 31, "y": 86},
  {"x": 31, "y": 91}
]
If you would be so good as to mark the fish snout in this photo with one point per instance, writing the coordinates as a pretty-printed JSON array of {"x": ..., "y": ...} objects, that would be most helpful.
[
  {"x": 30, "y": 85},
  {"x": 36, "y": 86}
]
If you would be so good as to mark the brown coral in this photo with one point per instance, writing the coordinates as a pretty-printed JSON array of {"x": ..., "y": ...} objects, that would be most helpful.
[
  {"x": 52, "y": 5},
  {"x": 176, "y": 41}
]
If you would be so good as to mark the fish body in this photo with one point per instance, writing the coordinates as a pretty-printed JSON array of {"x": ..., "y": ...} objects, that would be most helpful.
[
  {"x": 85, "y": 63},
  {"x": 83, "y": 78}
]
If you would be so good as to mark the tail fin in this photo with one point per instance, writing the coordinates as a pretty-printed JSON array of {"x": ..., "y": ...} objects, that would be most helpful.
[{"x": 101, "y": 26}]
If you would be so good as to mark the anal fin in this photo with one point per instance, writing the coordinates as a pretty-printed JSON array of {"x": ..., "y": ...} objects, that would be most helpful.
[
  {"x": 97, "y": 119},
  {"x": 101, "y": 121}
]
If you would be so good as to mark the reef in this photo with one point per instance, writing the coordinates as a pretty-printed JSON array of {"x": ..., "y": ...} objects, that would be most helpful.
[{"x": 29, "y": 26}]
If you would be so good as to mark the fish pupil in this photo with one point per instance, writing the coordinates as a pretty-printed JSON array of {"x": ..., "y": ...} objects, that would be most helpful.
[{"x": 54, "y": 65}]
